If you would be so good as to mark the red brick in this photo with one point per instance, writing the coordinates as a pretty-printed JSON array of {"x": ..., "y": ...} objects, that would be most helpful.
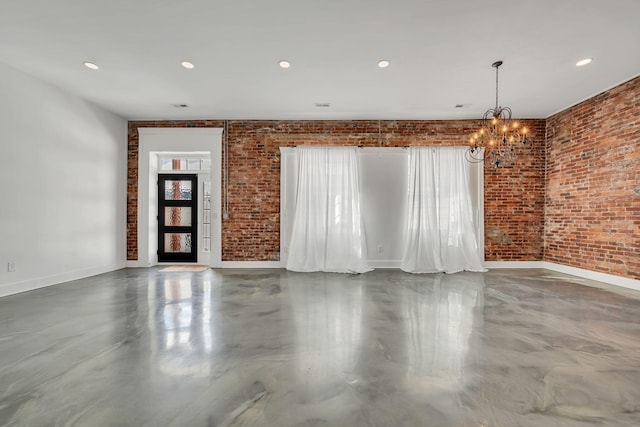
[{"x": 593, "y": 180}]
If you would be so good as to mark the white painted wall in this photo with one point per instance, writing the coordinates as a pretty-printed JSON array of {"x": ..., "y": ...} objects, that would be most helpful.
[
  {"x": 62, "y": 185},
  {"x": 384, "y": 179}
]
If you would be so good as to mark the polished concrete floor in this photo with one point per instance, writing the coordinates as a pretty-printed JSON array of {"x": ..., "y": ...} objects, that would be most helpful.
[{"x": 272, "y": 348}]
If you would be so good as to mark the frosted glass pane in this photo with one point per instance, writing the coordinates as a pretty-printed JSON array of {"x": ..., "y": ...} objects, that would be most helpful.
[
  {"x": 177, "y": 216},
  {"x": 177, "y": 243},
  {"x": 194, "y": 164},
  {"x": 177, "y": 190},
  {"x": 165, "y": 164}
]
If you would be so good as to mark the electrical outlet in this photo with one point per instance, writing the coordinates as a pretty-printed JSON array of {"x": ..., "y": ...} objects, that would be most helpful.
[
  {"x": 11, "y": 266},
  {"x": 379, "y": 249}
]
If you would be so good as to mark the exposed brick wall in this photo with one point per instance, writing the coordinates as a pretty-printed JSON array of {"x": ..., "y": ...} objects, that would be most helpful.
[
  {"x": 514, "y": 204},
  {"x": 514, "y": 197},
  {"x": 592, "y": 207}
]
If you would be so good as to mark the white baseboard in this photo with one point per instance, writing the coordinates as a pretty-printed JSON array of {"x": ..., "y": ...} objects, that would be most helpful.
[
  {"x": 281, "y": 264},
  {"x": 222, "y": 264},
  {"x": 611, "y": 279},
  {"x": 252, "y": 264},
  {"x": 514, "y": 264},
  {"x": 137, "y": 264},
  {"x": 384, "y": 263},
  {"x": 42, "y": 282}
]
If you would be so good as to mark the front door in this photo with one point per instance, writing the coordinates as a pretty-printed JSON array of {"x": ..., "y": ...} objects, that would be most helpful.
[{"x": 177, "y": 217}]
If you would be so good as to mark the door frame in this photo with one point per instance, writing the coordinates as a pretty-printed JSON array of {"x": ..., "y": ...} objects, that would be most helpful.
[{"x": 154, "y": 141}]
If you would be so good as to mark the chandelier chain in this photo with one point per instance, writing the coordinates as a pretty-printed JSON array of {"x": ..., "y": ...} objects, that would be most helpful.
[{"x": 497, "y": 68}]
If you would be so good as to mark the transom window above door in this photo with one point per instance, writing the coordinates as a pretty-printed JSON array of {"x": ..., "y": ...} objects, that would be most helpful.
[{"x": 181, "y": 163}]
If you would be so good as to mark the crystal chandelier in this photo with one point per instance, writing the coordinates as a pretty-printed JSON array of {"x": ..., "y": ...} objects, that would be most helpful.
[{"x": 499, "y": 138}]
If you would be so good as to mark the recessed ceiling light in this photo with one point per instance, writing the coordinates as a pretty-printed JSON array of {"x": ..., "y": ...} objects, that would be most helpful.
[
  {"x": 284, "y": 64},
  {"x": 583, "y": 62},
  {"x": 90, "y": 65},
  {"x": 188, "y": 65},
  {"x": 383, "y": 63}
]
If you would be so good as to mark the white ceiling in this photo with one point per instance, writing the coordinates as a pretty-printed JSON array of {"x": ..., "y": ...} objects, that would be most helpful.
[{"x": 441, "y": 53}]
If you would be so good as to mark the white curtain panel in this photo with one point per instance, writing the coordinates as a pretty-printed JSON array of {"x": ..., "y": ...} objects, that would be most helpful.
[
  {"x": 440, "y": 234},
  {"x": 328, "y": 231}
]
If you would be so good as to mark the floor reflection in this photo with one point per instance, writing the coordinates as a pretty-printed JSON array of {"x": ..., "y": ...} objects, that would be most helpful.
[
  {"x": 439, "y": 320},
  {"x": 327, "y": 315},
  {"x": 131, "y": 311},
  {"x": 183, "y": 326}
]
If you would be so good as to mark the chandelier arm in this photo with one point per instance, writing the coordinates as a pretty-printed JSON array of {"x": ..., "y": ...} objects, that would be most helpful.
[{"x": 499, "y": 139}]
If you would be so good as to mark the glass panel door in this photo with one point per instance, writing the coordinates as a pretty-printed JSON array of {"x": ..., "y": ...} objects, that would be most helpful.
[{"x": 177, "y": 217}]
